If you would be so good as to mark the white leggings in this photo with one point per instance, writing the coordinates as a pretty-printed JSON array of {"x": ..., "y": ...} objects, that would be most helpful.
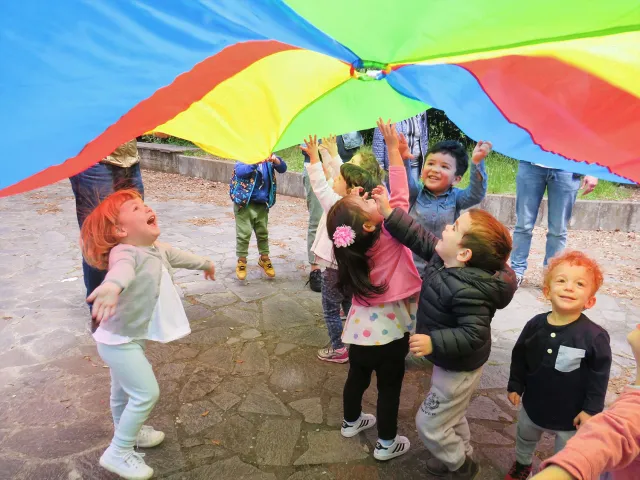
[{"x": 134, "y": 389}]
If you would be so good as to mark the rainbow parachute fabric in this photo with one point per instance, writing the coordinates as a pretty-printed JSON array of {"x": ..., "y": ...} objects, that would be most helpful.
[{"x": 548, "y": 81}]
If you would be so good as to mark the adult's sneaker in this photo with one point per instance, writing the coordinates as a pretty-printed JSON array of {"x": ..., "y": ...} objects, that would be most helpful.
[
  {"x": 315, "y": 280},
  {"x": 400, "y": 446},
  {"x": 334, "y": 355},
  {"x": 365, "y": 421},
  {"x": 129, "y": 465},
  {"x": 519, "y": 471},
  {"x": 149, "y": 437}
]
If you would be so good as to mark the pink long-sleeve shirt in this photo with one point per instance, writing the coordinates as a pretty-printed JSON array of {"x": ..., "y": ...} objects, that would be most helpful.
[
  {"x": 609, "y": 442},
  {"x": 393, "y": 262}
]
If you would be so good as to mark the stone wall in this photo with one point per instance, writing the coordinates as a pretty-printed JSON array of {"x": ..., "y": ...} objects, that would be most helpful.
[{"x": 587, "y": 215}]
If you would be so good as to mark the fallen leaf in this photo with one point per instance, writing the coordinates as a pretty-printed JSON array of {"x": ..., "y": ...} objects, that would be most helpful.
[
  {"x": 239, "y": 361},
  {"x": 205, "y": 414},
  {"x": 216, "y": 442}
]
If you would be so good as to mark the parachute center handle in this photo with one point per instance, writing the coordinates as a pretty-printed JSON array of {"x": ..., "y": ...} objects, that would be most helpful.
[{"x": 367, "y": 70}]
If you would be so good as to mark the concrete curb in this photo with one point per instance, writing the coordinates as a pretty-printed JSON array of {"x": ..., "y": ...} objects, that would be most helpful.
[{"x": 587, "y": 215}]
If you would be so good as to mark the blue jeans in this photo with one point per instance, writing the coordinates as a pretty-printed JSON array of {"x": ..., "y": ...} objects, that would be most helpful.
[
  {"x": 562, "y": 190},
  {"x": 90, "y": 188}
]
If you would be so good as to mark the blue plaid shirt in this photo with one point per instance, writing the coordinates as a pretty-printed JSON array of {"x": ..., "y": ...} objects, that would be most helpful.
[
  {"x": 380, "y": 149},
  {"x": 435, "y": 213}
]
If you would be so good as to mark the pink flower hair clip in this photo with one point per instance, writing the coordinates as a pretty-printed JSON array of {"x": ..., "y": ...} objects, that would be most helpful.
[{"x": 344, "y": 236}]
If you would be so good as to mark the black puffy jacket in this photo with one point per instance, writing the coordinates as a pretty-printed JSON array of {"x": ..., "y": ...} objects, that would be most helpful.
[{"x": 456, "y": 304}]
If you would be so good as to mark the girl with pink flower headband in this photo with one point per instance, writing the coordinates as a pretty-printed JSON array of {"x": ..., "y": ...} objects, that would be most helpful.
[
  {"x": 345, "y": 178},
  {"x": 380, "y": 272}
]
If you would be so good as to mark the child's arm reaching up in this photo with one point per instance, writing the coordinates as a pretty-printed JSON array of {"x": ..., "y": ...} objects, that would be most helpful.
[
  {"x": 397, "y": 173},
  {"x": 477, "y": 189},
  {"x": 404, "y": 228},
  {"x": 326, "y": 196},
  {"x": 405, "y": 154}
]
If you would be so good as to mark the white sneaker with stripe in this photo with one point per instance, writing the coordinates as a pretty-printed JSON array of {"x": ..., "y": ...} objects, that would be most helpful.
[
  {"x": 365, "y": 421},
  {"x": 400, "y": 446}
]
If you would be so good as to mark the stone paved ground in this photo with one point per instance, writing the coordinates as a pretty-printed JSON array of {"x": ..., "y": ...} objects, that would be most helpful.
[{"x": 243, "y": 396}]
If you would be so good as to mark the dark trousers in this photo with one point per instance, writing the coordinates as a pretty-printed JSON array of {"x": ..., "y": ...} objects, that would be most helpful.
[
  {"x": 388, "y": 363},
  {"x": 90, "y": 188}
]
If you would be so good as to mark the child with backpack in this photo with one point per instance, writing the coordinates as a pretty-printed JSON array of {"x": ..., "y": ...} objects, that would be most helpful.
[{"x": 253, "y": 191}]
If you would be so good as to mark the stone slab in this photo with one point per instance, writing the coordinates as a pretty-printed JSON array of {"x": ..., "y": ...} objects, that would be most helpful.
[
  {"x": 310, "y": 408},
  {"x": 262, "y": 401},
  {"x": 483, "y": 408},
  {"x": 198, "y": 416},
  {"x": 276, "y": 441},
  {"x": 252, "y": 361},
  {"x": 331, "y": 447}
]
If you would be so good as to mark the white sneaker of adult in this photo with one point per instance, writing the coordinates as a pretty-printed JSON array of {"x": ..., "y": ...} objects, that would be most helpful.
[{"x": 129, "y": 465}]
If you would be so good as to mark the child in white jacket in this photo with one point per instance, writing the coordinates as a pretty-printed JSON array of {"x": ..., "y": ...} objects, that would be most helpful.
[{"x": 346, "y": 176}]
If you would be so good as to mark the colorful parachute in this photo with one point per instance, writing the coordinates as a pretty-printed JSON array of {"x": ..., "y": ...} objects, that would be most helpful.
[{"x": 551, "y": 82}]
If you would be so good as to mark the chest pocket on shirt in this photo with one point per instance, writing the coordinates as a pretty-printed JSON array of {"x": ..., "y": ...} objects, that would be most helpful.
[{"x": 569, "y": 358}]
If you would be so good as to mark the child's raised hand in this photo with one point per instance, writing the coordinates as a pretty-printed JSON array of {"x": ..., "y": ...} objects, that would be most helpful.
[
  {"x": 403, "y": 147},
  {"x": 330, "y": 144},
  {"x": 420, "y": 345},
  {"x": 104, "y": 299},
  {"x": 481, "y": 150},
  {"x": 274, "y": 159},
  {"x": 381, "y": 196},
  {"x": 210, "y": 274},
  {"x": 310, "y": 147},
  {"x": 514, "y": 398},
  {"x": 582, "y": 418},
  {"x": 389, "y": 133}
]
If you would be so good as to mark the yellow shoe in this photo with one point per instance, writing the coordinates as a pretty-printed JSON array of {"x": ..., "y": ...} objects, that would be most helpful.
[
  {"x": 267, "y": 267},
  {"x": 241, "y": 270}
]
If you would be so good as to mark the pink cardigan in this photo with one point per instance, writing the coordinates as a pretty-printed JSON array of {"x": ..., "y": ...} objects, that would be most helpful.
[
  {"x": 393, "y": 261},
  {"x": 609, "y": 442}
]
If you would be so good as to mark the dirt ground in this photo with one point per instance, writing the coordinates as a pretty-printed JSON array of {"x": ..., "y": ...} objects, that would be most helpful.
[{"x": 617, "y": 252}]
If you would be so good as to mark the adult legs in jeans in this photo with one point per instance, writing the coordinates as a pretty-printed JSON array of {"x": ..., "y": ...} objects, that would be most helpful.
[
  {"x": 345, "y": 153},
  {"x": 132, "y": 373},
  {"x": 90, "y": 188},
  {"x": 332, "y": 299},
  {"x": 388, "y": 363},
  {"x": 531, "y": 182},
  {"x": 529, "y": 434},
  {"x": 562, "y": 191}
]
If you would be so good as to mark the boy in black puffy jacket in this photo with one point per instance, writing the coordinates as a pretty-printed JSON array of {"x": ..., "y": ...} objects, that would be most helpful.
[{"x": 466, "y": 279}]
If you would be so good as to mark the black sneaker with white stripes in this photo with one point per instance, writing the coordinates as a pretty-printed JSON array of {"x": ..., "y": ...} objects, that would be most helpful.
[
  {"x": 400, "y": 446},
  {"x": 365, "y": 421}
]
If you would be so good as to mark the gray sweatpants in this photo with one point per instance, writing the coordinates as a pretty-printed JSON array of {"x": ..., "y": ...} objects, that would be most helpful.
[
  {"x": 441, "y": 420},
  {"x": 529, "y": 435}
]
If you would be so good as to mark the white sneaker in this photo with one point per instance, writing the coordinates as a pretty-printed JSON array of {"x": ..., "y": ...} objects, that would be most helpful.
[
  {"x": 129, "y": 466},
  {"x": 365, "y": 421},
  {"x": 149, "y": 437},
  {"x": 400, "y": 446}
]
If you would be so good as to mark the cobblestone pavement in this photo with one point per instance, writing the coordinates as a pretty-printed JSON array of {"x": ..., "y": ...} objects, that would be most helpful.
[{"x": 242, "y": 397}]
